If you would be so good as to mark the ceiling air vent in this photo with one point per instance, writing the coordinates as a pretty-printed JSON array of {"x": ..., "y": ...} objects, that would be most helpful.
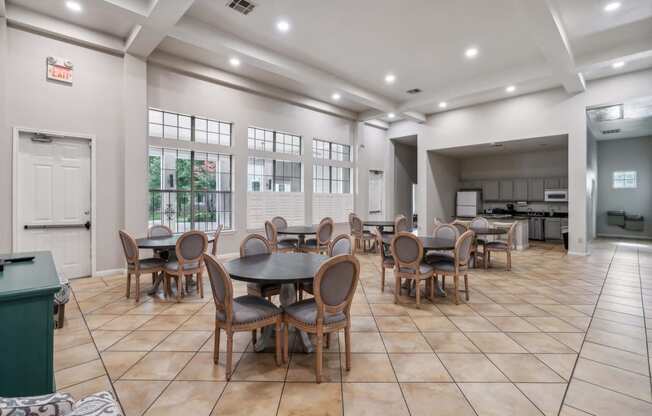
[
  {"x": 413, "y": 91},
  {"x": 612, "y": 131},
  {"x": 243, "y": 6}
]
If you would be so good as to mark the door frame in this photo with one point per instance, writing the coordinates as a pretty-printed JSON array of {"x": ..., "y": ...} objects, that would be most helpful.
[{"x": 90, "y": 138}]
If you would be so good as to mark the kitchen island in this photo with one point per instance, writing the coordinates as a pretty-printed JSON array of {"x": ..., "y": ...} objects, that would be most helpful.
[{"x": 521, "y": 233}]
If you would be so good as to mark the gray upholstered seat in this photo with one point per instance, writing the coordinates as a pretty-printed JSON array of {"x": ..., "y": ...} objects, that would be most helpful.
[
  {"x": 435, "y": 256},
  {"x": 497, "y": 245},
  {"x": 150, "y": 263},
  {"x": 306, "y": 312},
  {"x": 423, "y": 269},
  {"x": 174, "y": 266},
  {"x": 444, "y": 265},
  {"x": 248, "y": 308},
  {"x": 287, "y": 244}
]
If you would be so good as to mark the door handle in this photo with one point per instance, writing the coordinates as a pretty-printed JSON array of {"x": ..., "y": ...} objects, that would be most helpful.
[{"x": 86, "y": 225}]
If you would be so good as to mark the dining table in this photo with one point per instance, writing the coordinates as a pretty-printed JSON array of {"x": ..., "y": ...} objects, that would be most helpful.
[
  {"x": 300, "y": 231},
  {"x": 164, "y": 243},
  {"x": 286, "y": 269},
  {"x": 381, "y": 224}
]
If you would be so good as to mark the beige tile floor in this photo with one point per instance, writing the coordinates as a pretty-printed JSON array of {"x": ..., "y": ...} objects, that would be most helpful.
[{"x": 556, "y": 335}]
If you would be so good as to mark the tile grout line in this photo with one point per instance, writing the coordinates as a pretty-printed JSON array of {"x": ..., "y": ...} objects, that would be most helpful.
[{"x": 647, "y": 345}]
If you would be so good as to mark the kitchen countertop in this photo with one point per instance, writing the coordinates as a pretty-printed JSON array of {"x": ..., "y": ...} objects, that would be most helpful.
[{"x": 517, "y": 217}]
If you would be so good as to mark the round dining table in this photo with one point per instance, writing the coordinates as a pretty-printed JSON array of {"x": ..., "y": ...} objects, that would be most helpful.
[
  {"x": 429, "y": 243},
  {"x": 300, "y": 231},
  {"x": 490, "y": 231},
  {"x": 382, "y": 225},
  {"x": 286, "y": 269}
]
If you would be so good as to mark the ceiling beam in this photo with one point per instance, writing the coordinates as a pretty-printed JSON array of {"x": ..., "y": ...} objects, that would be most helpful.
[
  {"x": 541, "y": 20},
  {"x": 3, "y": 8},
  {"x": 162, "y": 17},
  {"x": 197, "y": 33}
]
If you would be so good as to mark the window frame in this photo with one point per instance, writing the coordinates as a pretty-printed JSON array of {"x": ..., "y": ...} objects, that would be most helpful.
[
  {"x": 275, "y": 177},
  {"x": 624, "y": 179},
  {"x": 192, "y": 128},
  {"x": 273, "y": 141}
]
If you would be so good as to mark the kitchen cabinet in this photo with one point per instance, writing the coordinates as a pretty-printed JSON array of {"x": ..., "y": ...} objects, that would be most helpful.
[
  {"x": 553, "y": 228},
  {"x": 520, "y": 190},
  {"x": 490, "y": 191},
  {"x": 535, "y": 189},
  {"x": 506, "y": 188},
  {"x": 551, "y": 183},
  {"x": 563, "y": 182}
]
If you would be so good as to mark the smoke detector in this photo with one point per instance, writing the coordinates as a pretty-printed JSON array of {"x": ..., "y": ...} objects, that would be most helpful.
[
  {"x": 413, "y": 91},
  {"x": 242, "y": 6}
]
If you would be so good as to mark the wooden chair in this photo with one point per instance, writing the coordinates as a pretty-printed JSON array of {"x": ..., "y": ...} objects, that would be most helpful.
[
  {"x": 437, "y": 222},
  {"x": 461, "y": 228},
  {"x": 360, "y": 235},
  {"x": 446, "y": 232},
  {"x": 330, "y": 310},
  {"x": 137, "y": 266},
  {"x": 502, "y": 246},
  {"x": 386, "y": 259},
  {"x": 478, "y": 222},
  {"x": 252, "y": 245},
  {"x": 218, "y": 231},
  {"x": 407, "y": 251},
  {"x": 280, "y": 223},
  {"x": 320, "y": 243},
  {"x": 276, "y": 244},
  {"x": 457, "y": 265},
  {"x": 159, "y": 230},
  {"x": 401, "y": 224},
  {"x": 340, "y": 245},
  {"x": 190, "y": 249},
  {"x": 244, "y": 313}
]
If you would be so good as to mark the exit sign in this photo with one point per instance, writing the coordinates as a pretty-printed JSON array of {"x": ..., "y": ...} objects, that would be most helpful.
[{"x": 59, "y": 69}]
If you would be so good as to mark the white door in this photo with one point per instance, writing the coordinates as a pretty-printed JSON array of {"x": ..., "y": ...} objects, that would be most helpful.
[
  {"x": 376, "y": 195},
  {"x": 54, "y": 201}
]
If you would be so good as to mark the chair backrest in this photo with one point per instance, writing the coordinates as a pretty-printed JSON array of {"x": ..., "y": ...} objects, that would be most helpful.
[
  {"x": 280, "y": 223},
  {"x": 159, "y": 230},
  {"x": 479, "y": 222},
  {"x": 270, "y": 233},
  {"x": 446, "y": 231},
  {"x": 384, "y": 253},
  {"x": 437, "y": 222},
  {"x": 351, "y": 215},
  {"x": 325, "y": 231},
  {"x": 510, "y": 235},
  {"x": 407, "y": 250},
  {"x": 401, "y": 224},
  {"x": 191, "y": 246},
  {"x": 461, "y": 228},
  {"x": 129, "y": 247},
  {"x": 335, "y": 284},
  {"x": 325, "y": 219},
  {"x": 216, "y": 238},
  {"x": 463, "y": 248},
  {"x": 356, "y": 225},
  {"x": 340, "y": 245},
  {"x": 254, "y": 244},
  {"x": 220, "y": 285}
]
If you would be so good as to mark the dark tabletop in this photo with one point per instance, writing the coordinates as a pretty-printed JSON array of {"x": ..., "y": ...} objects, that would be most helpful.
[
  {"x": 374, "y": 223},
  {"x": 489, "y": 231},
  {"x": 275, "y": 267},
  {"x": 299, "y": 230},
  {"x": 164, "y": 243},
  {"x": 429, "y": 243}
]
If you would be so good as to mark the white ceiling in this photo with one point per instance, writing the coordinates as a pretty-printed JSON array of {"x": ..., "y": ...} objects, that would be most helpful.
[
  {"x": 636, "y": 121},
  {"x": 534, "y": 144},
  {"x": 348, "y": 47}
]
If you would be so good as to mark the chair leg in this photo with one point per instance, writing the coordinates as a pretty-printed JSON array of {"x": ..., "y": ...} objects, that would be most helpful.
[
  {"x": 61, "y": 315},
  {"x": 128, "y": 284},
  {"x": 229, "y": 354},
  {"x": 137, "y": 287},
  {"x": 466, "y": 286},
  {"x": 347, "y": 346},
  {"x": 153, "y": 277},
  {"x": 456, "y": 281},
  {"x": 253, "y": 336},
  {"x": 278, "y": 342},
  {"x": 286, "y": 341},
  {"x": 382, "y": 278},
  {"x": 485, "y": 258},
  {"x": 417, "y": 289},
  {"x": 443, "y": 282},
  {"x": 179, "y": 287},
  {"x": 432, "y": 288},
  {"x": 397, "y": 287},
  {"x": 318, "y": 355},
  {"x": 509, "y": 260},
  {"x": 328, "y": 339},
  {"x": 216, "y": 345},
  {"x": 200, "y": 284}
]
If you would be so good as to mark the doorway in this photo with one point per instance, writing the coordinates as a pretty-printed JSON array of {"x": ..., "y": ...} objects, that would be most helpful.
[
  {"x": 405, "y": 177},
  {"x": 52, "y": 198},
  {"x": 376, "y": 195}
]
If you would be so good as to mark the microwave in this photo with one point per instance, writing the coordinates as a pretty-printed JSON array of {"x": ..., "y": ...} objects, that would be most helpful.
[{"x": 556, "y": 195}]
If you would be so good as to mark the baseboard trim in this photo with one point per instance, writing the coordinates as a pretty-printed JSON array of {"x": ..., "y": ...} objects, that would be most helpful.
[
  {"x": 110, "y": 272},
  {"x": 577, "y": 253},
  {"x": 626, "y": 237}
]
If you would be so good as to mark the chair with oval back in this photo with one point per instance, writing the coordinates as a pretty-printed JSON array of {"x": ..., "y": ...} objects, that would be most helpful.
[
  {"x": 386, "y": 259},
  {"x": 216, "y": 237},
  {"x": 274, "y": 242},
  {"x": 281, "y": 224},
  {"x": 135, "y": 265},
  {"x": 244, "y": 313},
  {"x": 502, "y": 246},
  {"x": 407, "y": 251},
  {"x": 446, "y": 232},
  {"x": 340, "y": 245},
  {"x": 401, "y": 224},
  {"x": 252, "y": 245},
  {"x": 330, "y": 310},
  {"x": 159, "y": 231},
  {"x": 322, "y": 239},
  {"x": 461, "y": 228},
  {"x": 190, "y": 249},
  {"x": 478, "y": 223},
  {"x": 360, "y": 235},
  {"x": 457, "y": 265}
]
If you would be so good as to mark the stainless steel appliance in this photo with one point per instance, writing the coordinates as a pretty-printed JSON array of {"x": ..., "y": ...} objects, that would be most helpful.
[
  {"x": 555, "y": 195},
  {"x": 536, "y": 224},
  {"x": 469, "y": 203}
]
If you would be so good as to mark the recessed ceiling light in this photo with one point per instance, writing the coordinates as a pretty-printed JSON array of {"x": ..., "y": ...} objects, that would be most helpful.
[
  {"x": 471, "y": 52},
  {"x": 511, "y": 88},
  {"x": 391, "y": 115},
  {"x": 283, "y": 26},
  {"x": 613, "y": 6},
  {"x": 390, "y": 78},
  {"x": 234, "y": 62},
  {"x": 336, "y": 96},
  {"x": 74, "y": 6},
  {"x": 618, "y": 64},
  {"x": 443, "y": 104}
]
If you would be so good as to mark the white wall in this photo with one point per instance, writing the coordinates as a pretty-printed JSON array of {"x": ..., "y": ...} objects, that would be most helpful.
[
  {"x": 618, "y": 155},
  {"x": 405, "y": 175},
  {"x": 443, "y": 178},
  {"x": 516, "y": 165},
  {"x": 374, "y": 152}
]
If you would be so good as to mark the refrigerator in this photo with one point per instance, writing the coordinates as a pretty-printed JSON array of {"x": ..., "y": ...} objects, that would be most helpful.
[{"x": 469, "y": 203}]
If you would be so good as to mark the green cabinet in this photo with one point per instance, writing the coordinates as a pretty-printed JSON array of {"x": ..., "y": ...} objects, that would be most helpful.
[{"x": 27, "y": 328}]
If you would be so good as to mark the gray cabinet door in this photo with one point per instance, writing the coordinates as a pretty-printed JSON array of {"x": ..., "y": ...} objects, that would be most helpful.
[
  {"x": 520, "y": 190},
  {"x": 490, "y": 191},
  {"x": 535, "y": 189},
  {"x": 506, "y": 190},
  {"x": 553, "y": 228},
  {"x": 551, "y": 183},
  {"x": 563, "y": 182}
]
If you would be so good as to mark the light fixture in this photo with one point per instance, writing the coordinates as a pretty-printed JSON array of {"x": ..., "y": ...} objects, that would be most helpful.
[
  {"x": 443, "y": 104},
  {"x": 74, "y": 6},
  {"x": 613, "y": 6},
  {"x": 391, "y": 115},
  {"x": 510, "y": 88},
  {"x": 335, "y": 96},
  {"x": 390, "y": 78},
  {"x": 618, "y": 64},
  {"x": 283, "y": 26},
  {"x": 235, "y": 62},
  {"x": 471, "y": 52}
]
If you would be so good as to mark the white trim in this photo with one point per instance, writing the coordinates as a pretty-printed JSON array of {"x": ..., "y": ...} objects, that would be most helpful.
[
  {"x": 627, "y": 237},
  {"x": 109, "y": 272},
  {"x": 14, "y": 185},
  {"x": 577, "y": 253}
]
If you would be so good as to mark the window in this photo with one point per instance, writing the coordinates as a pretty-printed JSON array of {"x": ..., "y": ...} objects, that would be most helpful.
[
  {"x": 273, "y": 141},
  {"x": 322, "y": 149},
  {"x": 321, "y": 178},
  {"x": 625, "y": 180},
  {"x": 331, "y": 179},
  {"x": 268, "y": 175},
  {"x": 174, "y": 126},
  {"x": 189, "y": 190}
]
